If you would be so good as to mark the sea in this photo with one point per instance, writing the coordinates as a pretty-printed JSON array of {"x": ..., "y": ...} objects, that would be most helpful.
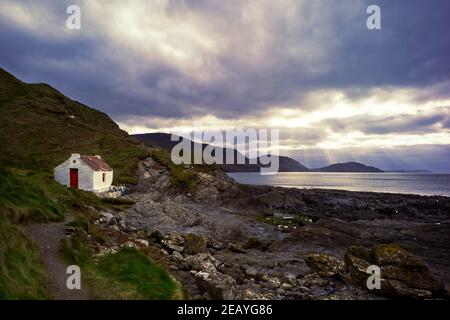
[{"x": 406, "y": 183}]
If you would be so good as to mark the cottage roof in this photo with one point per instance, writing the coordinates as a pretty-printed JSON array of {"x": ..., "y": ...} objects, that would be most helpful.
[{"x": 95, "y": 163}]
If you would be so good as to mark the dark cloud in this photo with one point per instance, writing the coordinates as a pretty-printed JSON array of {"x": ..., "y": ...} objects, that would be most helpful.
[
  {"x": 446, "y": 123},
  {"x": 271, "y": 54},
  {"x": 412, "y": 50},
  {"x": 406, "y": 123}
]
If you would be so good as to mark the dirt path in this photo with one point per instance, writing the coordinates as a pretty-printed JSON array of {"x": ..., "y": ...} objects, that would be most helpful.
[{"x": 47, "y": 238}]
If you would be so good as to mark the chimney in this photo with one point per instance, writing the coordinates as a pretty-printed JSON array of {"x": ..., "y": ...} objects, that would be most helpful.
[
  {"x": 75, "y": 155},
  {"x": 97, "y": 156}
]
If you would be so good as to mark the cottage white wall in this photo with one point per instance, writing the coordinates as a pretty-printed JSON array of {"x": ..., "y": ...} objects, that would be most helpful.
[
  {"x": 98, "y": 183},
  {"x": 85, "y": 173},
  {"x": 61, "y": 173}
]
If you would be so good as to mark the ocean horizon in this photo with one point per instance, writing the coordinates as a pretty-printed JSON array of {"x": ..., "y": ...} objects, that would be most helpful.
[{"x": 427, "y": 184}]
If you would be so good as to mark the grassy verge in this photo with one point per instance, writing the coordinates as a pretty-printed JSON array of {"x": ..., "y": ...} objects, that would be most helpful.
[
  {"x": 22, "y": 200},
  {"x": 132, "y": 269},
  {"x": 25, "y": 199},
  {"x": 21, "y": 269},
  {"x": 126, "y": 274},
  {"x": 27, "y": 196}
]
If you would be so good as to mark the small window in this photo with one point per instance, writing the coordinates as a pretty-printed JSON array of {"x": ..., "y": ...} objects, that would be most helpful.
[
  {"x": 103, "y": 177},
  {"x": 74, "y": 161}
]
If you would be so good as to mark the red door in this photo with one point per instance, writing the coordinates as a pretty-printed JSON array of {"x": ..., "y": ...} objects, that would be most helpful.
[{"x": 74, "y": 178}]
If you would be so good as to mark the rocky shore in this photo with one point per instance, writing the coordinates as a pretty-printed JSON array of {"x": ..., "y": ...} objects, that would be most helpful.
[{"x": 223, "y": 240}]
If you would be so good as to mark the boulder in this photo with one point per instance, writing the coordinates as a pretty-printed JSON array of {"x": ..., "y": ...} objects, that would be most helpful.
[
  {"x": 402, "y": 273},
  {"x": 251, "y": 272},
  {"x": 362, "y": 253},
  {"x": 194, "y": 243},
  {"x": 324, "y": 265},
  {"x": 356, "y": 270},
  {"x": 173, "y": 242},
  {"x": 177, "y": 256},
  {"x": 202, "y": 262},
  {"x": 234, "y": 271},
  {"x": 405, "y": 274},
  {"x": 398, "y": 288},
  {"x": 219, "y": 286},
  {"x": 394, "y": 255}
]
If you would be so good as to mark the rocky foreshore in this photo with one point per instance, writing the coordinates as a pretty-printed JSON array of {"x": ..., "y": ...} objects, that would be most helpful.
[{"x": 223, "y": 240}]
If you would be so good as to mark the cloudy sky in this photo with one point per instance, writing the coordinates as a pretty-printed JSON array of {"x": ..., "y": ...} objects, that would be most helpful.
[{"x": 336, "y": 90}]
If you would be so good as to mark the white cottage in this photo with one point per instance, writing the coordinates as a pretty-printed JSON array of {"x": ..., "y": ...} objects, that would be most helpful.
[{"x": 88, "y": 173}]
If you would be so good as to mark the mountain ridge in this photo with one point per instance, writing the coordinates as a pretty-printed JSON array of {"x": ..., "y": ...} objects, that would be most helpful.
[{"x": 286, "y": 164}]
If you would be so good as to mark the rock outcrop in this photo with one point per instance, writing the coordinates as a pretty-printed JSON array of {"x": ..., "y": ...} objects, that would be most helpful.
[
  {"x": 402, "y": 273},
  {"x": 224, "y": 241},
  {"x": 324, "y": 265},
  {"x": 217, "y": 285}
]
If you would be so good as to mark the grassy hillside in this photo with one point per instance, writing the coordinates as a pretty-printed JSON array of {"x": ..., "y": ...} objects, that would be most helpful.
[
  {"x": 21, "y": 269},
  {"x": 40, "y": 128},
  {"x": 22, "y": 199}
]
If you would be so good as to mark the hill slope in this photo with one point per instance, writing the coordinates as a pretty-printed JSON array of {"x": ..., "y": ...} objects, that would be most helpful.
[
  {"x": 163, "y": 140},
  {"x": 40, "y": 128},
  {"x": 348, "y": 167}
]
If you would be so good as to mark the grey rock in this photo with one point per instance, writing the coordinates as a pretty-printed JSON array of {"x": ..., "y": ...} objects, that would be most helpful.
[
  {"x": 324, "y": 265},
  {"x": 218, "y": 286},
  {"x": 251, "y": 271},
  {"x": 177, "y": 256},
  {"x": 202, "y": 262}
]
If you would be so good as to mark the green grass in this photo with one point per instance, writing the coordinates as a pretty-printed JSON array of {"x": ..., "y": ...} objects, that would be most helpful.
[
  {"x": 35, "y": 196},
  {"x": 39, "y": 129},
  {"x": 132, "y": 268},
  {"x": 23, "y": 199},
  {"x": 21, "y": 269},
  {"x": 126, "y": 274},
  {"x": 27, "y": 196}
]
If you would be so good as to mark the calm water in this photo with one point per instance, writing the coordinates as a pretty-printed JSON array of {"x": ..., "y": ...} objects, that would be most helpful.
[{"x": 423, "y": 184}]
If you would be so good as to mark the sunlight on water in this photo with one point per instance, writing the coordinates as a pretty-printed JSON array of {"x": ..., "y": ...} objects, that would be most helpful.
[{"x": 408, "y": 183}]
